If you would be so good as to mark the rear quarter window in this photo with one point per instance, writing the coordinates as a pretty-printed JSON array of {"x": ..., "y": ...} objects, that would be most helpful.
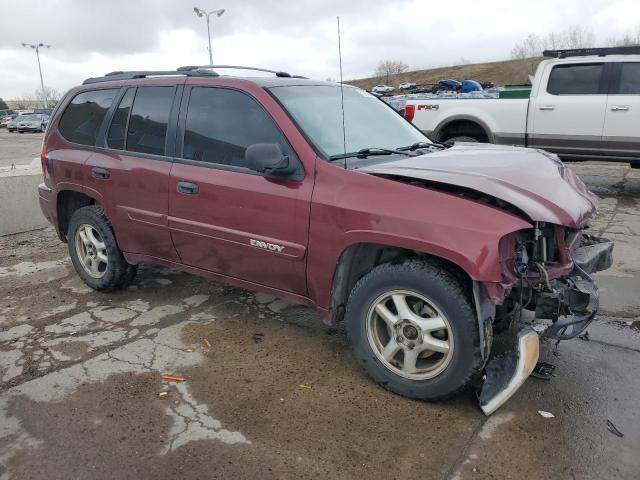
[{"x": 81, "y": 120}]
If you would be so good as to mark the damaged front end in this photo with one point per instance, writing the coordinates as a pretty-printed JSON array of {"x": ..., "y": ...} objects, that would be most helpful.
[{"x": 547, "y": 292}]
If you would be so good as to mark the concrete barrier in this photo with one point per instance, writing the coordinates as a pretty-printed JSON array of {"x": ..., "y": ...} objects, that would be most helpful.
[{"x": 19, "y": 207}]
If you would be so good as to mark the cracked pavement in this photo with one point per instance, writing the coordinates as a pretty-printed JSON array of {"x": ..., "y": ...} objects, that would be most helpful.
[{"x": 270, "y": 392}]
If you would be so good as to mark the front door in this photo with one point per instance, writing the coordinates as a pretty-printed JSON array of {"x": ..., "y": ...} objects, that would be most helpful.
[
  {"x": 224, "y": 217},
  {"x": 621, "y": 136},
  {"x": 568, "y": 114}
]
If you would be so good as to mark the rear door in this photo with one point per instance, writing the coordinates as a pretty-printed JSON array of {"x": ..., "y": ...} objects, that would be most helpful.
[
  {"x": 621, "y": 136},
  {"x": 224, "y": 217},
  {"x": 130, "y": 173},
  {"x": 568, "y": 110}
]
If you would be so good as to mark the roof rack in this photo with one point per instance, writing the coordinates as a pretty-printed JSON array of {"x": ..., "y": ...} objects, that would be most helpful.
[
  {"x": 200, "y": 68},
  {"x": 115, "y": 76},
  {"x": 189, "y": 70},
  {"x": 583, "y": 52}
]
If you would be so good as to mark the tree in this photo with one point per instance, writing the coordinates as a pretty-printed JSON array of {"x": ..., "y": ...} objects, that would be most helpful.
[
  {"x": 386, "y": 68},
  {"x": 3, "y": 105},
  {"x": 573, "y": 37},
  {"x": 629, "y": 39},
  {"x": 28, "y": 99}
]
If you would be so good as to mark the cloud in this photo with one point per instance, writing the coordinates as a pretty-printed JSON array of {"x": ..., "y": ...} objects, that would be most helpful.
[{"x": 90, "y": 37}]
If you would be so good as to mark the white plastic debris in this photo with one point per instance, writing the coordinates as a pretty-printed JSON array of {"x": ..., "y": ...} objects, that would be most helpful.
[{"x": 546, "y": 414}]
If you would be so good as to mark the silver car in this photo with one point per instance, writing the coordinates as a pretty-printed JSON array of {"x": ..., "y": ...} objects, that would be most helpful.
[{"x": 35, "y": 122}]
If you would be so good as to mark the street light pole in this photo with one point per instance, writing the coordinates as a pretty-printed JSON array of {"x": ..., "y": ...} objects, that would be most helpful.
[
  {"x": 36, "y": 47},
  {"x": 202, "y": 13}
]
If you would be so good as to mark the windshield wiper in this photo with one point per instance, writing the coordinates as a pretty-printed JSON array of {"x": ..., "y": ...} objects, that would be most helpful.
[
  {"x": 367, "y": 152},
  {"x": 418, "y": 145}
]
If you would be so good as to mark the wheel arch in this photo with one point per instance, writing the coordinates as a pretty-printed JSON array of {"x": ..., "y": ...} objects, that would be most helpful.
[
  {"x": 454, "y": 120},
  {"x": 357, "y": 259},
  {"x": 68, "y": 201}
]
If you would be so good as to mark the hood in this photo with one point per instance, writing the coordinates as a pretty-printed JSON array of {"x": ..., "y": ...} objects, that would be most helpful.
[{"x": 534, "y": 181}]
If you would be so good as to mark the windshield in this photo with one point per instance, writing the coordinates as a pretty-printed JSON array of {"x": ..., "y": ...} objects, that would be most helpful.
[{"x": 369, "y": 123}]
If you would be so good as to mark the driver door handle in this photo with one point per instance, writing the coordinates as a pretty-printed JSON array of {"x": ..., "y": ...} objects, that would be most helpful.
[
  {"x": 546, "y": 107},
  {"x": 187, "y": 187}
]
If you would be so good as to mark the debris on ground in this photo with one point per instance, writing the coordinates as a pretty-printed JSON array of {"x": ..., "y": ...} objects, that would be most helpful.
[
  {"x": 257, "y": 337},
  {"x": 188, "y": 349},
  {"x": 546, "y": 414},
  {"x": 173, "y": 378},
  {"x": 206, "y": 343},
  {"x": 163, "y": 394},
  {"x": 543, "y": 371},
  {"x": 304, "y": 386},
  {"x": 613, "y": 429},
  {"x": 584, "y": 336}
]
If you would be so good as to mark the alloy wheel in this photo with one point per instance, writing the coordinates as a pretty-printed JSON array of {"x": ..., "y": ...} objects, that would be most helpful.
[
  {"x": 410, "y": 335},
  {"x": 91, "y": 250}
]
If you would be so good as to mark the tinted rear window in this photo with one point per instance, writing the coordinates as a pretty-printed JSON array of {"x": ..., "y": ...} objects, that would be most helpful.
[
  {"x": 82, "y": 118},
  {"x": 147, "y": 130},
  {"x": 582, "y": 79},
  {"x": 629, "y": 79},
  {"x": 117, "y": 130}
]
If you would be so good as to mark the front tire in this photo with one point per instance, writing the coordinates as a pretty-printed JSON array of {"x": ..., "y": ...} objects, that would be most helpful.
[
  {"x": 414, "y": 330},
  {"x": 95, "y": 253}
]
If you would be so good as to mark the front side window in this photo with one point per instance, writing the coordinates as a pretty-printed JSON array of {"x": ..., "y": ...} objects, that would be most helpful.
[
  {"x": 147, "y": 129},
  {"x": 368, "y": 122},
  {"x": 629, "y": 79},
  {"x": 221, "y": 124},
  {"x": 84, "y": 115},
  {"x": 579, "y": 79}
]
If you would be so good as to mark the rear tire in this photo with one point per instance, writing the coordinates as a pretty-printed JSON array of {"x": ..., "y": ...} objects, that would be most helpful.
[
  {"x": 430, "y": 351},
  {"x": 95, "y": 253}
]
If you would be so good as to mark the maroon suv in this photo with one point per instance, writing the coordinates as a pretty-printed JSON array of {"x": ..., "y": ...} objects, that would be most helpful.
[{"x": 327, "y": 196}]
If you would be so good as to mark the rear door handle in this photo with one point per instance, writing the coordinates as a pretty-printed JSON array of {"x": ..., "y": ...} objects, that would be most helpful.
[
  {"x": 187, "y": 187},
  {"x": 101, "y": 173},
  {"x": 620, "y": 108},
  {"x": 546, "y": 107}
]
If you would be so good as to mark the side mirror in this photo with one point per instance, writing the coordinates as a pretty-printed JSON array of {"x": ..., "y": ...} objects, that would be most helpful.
[{"x": 267, "y": 158}]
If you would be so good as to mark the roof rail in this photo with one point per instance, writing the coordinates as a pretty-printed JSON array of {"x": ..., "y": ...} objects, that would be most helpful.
[
  {"x": 199, "y": 68},
  {"x": 118, "y": 75},
  {"x": 583, "y": 52}
]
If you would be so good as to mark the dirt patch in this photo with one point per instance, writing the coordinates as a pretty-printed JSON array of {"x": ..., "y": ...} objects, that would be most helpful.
[{"x": 298, "y": 395}]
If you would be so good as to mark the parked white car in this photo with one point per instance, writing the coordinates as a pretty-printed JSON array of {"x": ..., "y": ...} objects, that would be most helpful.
[
  {"x": 406, "y": 86},
  {"x": 584, "y": 104},
  {"x": 382, "y": 89}
]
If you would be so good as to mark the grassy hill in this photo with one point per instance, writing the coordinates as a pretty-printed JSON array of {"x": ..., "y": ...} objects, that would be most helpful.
[{"x": 500, "y": 73}]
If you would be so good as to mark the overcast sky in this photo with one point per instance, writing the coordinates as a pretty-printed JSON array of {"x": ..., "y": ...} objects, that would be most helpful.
[{"x": 91, "y": 37}]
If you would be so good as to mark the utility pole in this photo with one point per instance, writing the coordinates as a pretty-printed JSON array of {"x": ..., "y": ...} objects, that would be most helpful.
[
  {"x": 36, "y": 47},
  {"x": 202, "y": 13}
]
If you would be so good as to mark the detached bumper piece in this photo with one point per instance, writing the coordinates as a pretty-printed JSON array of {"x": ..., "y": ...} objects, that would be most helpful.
[
  {"x": 507, "y": 372},
  {"x": 574, "y": 300},
  {"x": 594, "y": 254}
]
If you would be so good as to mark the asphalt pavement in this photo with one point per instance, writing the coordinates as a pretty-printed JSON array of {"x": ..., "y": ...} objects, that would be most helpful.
[{"x": 268, "y": 391}]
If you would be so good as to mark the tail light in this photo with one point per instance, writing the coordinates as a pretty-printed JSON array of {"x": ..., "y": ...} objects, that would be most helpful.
[
  {"x": 409, "y": 112},
  {"x": 43, "y": 160}
]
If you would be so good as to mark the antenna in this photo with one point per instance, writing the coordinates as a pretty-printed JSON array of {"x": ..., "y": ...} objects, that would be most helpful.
[{"x": 344, "y": 132}]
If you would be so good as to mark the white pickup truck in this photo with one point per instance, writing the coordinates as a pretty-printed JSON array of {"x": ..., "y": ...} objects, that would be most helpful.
[{"x": 584, "y": 104}]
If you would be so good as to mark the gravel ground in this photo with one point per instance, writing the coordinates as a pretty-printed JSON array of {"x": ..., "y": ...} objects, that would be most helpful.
[{"x": 270, "y": 392}]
